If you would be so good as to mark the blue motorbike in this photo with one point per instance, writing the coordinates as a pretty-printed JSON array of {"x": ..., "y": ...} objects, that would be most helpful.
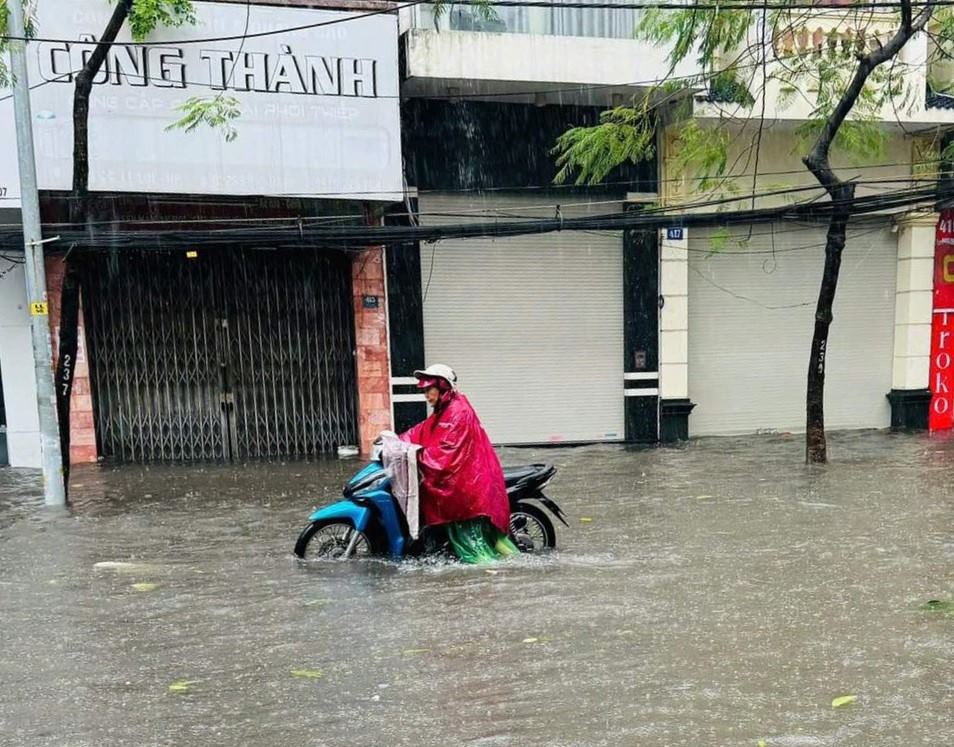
[{"x": 368, "y": 521}]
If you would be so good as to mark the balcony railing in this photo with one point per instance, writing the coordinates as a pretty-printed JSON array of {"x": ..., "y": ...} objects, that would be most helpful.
[{"x": 607, "y": 23}]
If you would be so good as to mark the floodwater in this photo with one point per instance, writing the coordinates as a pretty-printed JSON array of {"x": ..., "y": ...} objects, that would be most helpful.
[{"x": 719, "y": 593}]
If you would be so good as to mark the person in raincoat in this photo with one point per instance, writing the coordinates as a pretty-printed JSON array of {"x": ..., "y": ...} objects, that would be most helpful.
[{"x": 462, "y": 483}]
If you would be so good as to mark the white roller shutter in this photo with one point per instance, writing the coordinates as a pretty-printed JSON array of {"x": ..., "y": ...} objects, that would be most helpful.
[
  {"x": 532, "y": 324},
  {"x": 751, "y": 318}
]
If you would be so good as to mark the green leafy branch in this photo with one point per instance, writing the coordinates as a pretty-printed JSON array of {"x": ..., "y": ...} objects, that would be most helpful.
[
  {"x": 145, "y": 16},
  {"x": 6, "y": 77},
  {"x": 218, "y": 112}
]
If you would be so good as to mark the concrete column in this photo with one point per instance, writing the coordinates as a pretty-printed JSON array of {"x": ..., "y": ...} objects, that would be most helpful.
[
  {"x": 16, "y": 367},
  {"x": 914, "y": 297},
  {"x": 372, "y": 360},
  {"x": 674, "y": 336}
]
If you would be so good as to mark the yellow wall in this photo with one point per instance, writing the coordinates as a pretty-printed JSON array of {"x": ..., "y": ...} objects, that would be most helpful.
[{"x": 779, "y": 167}]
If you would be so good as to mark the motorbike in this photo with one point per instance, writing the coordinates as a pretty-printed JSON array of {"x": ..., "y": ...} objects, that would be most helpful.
[{"x": 369, "y": 522}]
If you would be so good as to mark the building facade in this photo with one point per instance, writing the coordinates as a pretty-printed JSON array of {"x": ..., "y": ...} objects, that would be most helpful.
[
  {"x": 225, "y": 344},
  {"x": 712, "y": 326},
  {"x": 219, "y": 342}
]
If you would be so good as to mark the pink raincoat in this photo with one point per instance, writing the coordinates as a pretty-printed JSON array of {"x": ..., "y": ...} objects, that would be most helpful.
[{"x": 461, "y": 477}]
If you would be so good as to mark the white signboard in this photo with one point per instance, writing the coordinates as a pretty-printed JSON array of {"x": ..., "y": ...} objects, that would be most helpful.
[{"x": 319, "y": 104}]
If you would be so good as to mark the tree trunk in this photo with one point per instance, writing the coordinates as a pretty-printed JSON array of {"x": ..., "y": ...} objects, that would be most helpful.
[
  {"x": 843, "y": 196},
  {"x": 816, "y": 447},
  {"x": 79, "y": 213},
  {"x": 66, "y": 357},
  {"x": 83, "y": 87}
]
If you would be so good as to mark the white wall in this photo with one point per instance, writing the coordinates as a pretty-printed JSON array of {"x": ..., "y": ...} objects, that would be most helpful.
[
  {"x": 16, "y": 367},
  {"x": 539, "y": 58}
]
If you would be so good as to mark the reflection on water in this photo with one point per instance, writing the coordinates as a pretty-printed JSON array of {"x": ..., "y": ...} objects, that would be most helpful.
[{"x": 720, "y": 594}]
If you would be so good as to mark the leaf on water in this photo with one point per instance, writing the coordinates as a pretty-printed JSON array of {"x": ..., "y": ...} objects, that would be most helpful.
[
  {"x": 181, "y": 686},
  {"x": 843, "y": 700},
  {"x": 531, "y": 640},
  {"x": 415, "y": 651},
  {"x": 585, "y": 520},
  {"x": 144, "y": 586},
  {"x": 762, "y": 743},
  {"x": 310, "y": 674}
]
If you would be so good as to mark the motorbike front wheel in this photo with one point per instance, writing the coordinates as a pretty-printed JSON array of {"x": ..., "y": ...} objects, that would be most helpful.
[
  {"x": 531, "y": 529},
  {"x": 332, "y": 540}
]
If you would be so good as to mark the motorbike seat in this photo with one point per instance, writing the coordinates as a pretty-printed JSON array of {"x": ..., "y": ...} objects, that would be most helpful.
[{"x": 530, "y": 473}]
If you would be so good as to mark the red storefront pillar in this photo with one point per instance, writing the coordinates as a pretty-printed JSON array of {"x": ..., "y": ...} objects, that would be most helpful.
[
  {"x": 942, "y": 335},
  {"x": 82, "y": 424},
  {"x": 372, "y": 358}
]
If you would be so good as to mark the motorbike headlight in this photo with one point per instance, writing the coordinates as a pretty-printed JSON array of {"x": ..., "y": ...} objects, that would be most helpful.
[{"x": 371, "y": 482}]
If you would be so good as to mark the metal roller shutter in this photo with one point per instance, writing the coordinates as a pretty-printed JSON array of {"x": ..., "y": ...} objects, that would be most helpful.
[
  {"x": 751, "y": 317},
  {"x": 532, "y": 324}
]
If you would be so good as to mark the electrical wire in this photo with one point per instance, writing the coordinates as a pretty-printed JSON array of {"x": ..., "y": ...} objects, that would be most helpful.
[
  {"x": 307, "y": 234},
  {"x": 579, "y": 88},
  {"x": 236, "y": 37},
  {"x": 703, "y": 6},
  {"x": 712, "y": 5},
  {"x": 548, "y": 188}
]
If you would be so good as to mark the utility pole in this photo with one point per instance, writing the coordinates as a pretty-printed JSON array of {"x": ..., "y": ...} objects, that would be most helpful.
[{"x": 52, "y": 461}]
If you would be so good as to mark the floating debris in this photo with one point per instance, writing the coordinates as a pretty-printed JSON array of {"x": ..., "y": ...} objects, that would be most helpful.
[
  {"x": 415, "y": 651},
  {"x": 182, "y": 686},
  {"x": 843, "y": 700},
  {"x": 123, "y": 566},
  {"x": 310, "y": 674}
]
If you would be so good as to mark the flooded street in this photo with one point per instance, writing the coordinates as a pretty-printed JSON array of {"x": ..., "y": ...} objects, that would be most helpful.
[{"x": 715, "y": 594}]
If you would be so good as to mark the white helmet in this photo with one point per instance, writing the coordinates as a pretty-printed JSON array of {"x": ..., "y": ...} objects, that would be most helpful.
[{"x": 438, "y": 371}]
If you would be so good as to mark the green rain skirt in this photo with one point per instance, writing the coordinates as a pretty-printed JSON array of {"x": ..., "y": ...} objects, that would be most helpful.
[{"x": 479, "y": 541}]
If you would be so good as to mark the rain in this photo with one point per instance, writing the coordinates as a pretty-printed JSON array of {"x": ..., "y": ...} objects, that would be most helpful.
[
  {"x": 715, "y": 593},
  {"x": 272, "y": 231}
]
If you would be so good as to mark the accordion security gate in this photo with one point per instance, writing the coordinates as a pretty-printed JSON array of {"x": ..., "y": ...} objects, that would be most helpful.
[{"x": 233, "y": 355}]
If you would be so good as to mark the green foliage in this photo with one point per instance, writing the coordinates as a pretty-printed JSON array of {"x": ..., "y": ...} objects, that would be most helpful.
[
  {"x": 939, "y": 605},
  {"x": 706, "y": 150},
  {"x": 726, "y": 87},
  {"x": 626, "y": 134},
  {"x": 711, "y": 33},
  {"x": 623, "y": 134},
  {"x": 859, "y": 139},
  {"x": 942, "y": 34},
  {"x": 145, "y": 16},
  {"x": 218, "y": 112},
  {"x": 6, "y": 79},
  {"x": 485, "y": 10},
  {"x": 736, "y": 66},
  {"x": 718, "y": 239}
]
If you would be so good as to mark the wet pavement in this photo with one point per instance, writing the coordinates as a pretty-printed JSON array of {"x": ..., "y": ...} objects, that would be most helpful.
[{"x": 716, "y": 594}]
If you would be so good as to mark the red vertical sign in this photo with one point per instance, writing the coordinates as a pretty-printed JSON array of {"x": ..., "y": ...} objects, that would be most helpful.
[{"x": 942, "y": 337}]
